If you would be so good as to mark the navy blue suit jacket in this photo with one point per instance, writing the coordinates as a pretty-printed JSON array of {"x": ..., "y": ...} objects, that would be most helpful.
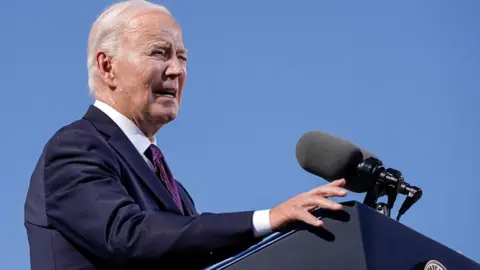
[{"x": 94, "y": 203}]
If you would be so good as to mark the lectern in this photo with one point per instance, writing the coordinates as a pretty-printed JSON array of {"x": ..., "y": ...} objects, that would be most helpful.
[{"x": 356, "y": 238}]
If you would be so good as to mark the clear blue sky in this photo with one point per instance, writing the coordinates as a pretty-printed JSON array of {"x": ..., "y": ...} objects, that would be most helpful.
[{"x": 400, "y": 78}]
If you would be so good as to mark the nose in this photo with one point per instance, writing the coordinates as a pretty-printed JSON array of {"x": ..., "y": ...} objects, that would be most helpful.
[{"x": 174, "y": 69}]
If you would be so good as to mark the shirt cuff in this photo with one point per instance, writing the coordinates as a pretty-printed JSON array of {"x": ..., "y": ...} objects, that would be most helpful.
[{"x": 261, "y": 223}]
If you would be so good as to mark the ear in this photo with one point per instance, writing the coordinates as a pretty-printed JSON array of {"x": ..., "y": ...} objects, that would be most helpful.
[{"x": 105, "y": 69}]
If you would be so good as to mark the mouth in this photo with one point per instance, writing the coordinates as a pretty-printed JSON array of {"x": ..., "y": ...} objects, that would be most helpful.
[{"x": 169, "y": 93}]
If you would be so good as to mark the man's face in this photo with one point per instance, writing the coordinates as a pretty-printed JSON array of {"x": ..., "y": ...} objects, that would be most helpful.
[{"x": 150, "y": 69}]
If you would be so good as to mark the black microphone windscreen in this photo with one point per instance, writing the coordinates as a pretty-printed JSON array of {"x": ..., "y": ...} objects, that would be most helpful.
[{"x": 331, "y": 158}]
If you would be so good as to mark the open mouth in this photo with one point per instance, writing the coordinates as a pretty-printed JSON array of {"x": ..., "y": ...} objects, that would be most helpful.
[{"x": 167, "y": 93}]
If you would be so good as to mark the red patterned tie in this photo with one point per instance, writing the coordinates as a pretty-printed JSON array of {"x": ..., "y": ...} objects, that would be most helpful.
[{"x": 163, "y": 172}]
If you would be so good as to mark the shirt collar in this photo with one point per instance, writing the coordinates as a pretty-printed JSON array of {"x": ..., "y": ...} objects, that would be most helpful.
[{"x": 133, "y": 133}]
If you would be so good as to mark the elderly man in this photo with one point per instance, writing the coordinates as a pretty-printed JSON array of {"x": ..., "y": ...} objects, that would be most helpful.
[{"x": 102, "y": 196}]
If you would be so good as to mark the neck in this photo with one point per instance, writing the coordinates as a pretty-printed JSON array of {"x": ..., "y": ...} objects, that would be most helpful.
[
  {"x": 143, "y": 124},
  {"x": 148, "y": 129}
]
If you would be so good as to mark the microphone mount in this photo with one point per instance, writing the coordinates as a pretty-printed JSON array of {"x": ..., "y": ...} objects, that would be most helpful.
[
  {"x": 414, "y": 194},
  {"x": 388, "y": 182}
]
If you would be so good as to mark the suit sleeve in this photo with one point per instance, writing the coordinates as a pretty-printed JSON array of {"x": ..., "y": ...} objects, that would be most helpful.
[{"x": 87, "y": 203}]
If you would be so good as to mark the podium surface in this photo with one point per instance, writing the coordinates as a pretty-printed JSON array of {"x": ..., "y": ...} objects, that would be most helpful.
[{"x": 356, "y": 238}]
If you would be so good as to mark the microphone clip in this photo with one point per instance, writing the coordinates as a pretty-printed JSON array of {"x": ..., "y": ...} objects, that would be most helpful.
[
  {"x": 389, "y": 182},
  {"x": 413, "y": 195}
]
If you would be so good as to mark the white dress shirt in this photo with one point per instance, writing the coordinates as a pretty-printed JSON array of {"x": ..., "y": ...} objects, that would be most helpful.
[{"x": 261, "y": 218}]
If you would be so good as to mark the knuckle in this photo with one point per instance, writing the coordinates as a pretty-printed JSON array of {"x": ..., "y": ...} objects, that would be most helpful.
[
  {"x": 321, "y": 202},
  {"x": 295, "y": 204}
]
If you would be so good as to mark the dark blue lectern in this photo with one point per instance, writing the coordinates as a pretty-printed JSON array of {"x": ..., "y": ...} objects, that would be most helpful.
[{"x": 356, "y": 238}]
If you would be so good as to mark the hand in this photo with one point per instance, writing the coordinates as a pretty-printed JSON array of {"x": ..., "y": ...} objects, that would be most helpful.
[{"x": 299, "y": 208}]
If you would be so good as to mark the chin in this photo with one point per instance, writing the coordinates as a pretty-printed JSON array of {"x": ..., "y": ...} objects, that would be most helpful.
[
  {"x": 162, "y": 114},
  {"x": 164, "y": 118},
  {"x": 170, "y": 117}
]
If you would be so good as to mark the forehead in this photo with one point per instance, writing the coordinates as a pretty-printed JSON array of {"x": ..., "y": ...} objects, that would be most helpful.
[{"x": 153, "y": 26}]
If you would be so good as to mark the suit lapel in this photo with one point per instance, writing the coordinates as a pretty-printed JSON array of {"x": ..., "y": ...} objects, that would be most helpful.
[
  {"x": 187, "y": 204},
  {"x": 120, "y": 142},
  {"x": 125, "y": 148}
]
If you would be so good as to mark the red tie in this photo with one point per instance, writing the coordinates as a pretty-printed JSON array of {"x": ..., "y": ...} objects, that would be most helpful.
[{"x": 163, "y": 172}]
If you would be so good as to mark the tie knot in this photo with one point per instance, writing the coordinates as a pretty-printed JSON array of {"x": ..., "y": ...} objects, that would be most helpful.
[{"x": 154, "y": 153}]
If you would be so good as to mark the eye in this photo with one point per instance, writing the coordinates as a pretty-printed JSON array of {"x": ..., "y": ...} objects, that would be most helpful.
[
  {"x": 183, "y": 57},
  {"x": 159, "y": 52}
]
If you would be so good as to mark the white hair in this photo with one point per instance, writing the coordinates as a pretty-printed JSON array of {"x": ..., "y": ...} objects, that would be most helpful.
[{"x": 107, "y": 29}]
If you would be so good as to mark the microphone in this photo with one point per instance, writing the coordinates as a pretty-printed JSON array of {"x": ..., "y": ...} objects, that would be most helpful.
[{"x": 332, "y": 158}]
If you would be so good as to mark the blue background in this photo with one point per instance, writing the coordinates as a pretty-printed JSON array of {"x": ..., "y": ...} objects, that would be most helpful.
[{"x": 400, "y": 78}]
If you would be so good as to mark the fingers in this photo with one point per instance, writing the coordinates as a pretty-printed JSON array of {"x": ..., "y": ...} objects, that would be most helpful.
[
  {"x": 308, "y": 218},
  {"x": 337, "y": 183},
  {"x": 329, "y": 191},
  {"x": 332, "y": 192},
  {"x": 321, "y": 202},
  {"x": 298, "y": 208}
]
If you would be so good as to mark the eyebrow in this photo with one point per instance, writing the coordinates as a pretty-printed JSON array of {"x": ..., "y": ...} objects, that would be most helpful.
[
  {"x": 166, "y": 45},
  {"x": 182, "y": 50}
]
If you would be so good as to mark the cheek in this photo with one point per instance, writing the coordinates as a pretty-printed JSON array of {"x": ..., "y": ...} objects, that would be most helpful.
[
  {"x": 182, "y": 80},
  {"x": 139, "y": 86},
  {"x": 145, "y": 77},
  {"x": 129, "y": 75},
  {"x": 139, "y": 69}
]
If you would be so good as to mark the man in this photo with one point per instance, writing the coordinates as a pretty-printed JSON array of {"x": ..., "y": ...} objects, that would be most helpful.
[{"x": 102, "y": 196}]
